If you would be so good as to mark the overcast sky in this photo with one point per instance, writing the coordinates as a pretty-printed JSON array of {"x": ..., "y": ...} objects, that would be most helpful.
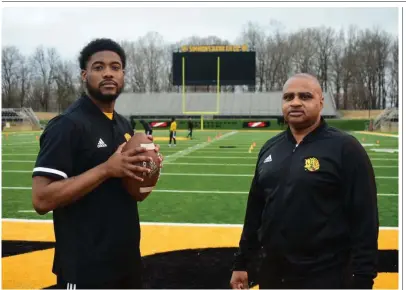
[{"x": 68, "y": 29}]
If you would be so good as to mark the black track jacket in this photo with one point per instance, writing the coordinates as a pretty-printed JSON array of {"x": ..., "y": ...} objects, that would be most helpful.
[{"x": 312, "y": 204}]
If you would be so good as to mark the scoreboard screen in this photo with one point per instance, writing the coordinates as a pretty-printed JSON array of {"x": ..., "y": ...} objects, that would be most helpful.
[{"x": 202, "y": 67}]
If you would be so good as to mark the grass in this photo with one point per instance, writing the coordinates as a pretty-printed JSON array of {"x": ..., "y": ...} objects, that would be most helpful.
[{"x": 201, "y": 182}]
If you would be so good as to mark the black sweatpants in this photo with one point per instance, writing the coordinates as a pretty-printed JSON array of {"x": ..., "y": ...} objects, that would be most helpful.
[
  {"x": 334, "y": 277},
  {"x": 129, "y": 282},
  {"x": 190, "y": 133},
  {"x": 172, "y": 136}
]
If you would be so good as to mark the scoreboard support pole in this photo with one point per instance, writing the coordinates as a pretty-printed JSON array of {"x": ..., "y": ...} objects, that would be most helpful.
[
  {"x": 184, "y": 94},
  {"x": 218, "y": 85},
  {"x": 183, "y": 84}
]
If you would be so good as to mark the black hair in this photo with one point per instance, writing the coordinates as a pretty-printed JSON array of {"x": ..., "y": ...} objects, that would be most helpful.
[{"x": 97, "y": 45}]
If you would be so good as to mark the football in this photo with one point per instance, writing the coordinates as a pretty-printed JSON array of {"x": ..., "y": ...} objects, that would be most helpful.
[{"x": 140, "y": 190}]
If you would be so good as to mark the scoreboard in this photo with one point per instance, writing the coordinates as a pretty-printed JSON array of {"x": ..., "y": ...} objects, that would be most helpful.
[{"x": 210, "y": 65}]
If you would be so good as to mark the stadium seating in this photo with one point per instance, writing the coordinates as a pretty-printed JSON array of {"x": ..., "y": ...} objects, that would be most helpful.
[{"x": 231, "y": 104}]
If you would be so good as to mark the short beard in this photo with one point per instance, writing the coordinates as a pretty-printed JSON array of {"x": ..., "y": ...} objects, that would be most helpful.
[{"x": 97, "y": 94}]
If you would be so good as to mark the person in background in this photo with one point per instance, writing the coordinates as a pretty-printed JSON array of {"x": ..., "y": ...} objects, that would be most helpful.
[
  {"x": 133, "y": 122},
  {"x": 190, "y": 128},
  {"x": 172, "y": 132},
  {"x": 147, "y": 127}
]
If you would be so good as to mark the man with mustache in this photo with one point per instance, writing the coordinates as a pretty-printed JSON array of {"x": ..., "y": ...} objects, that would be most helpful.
[
  {"x": 78, "y": 175},
  {"x": 312, "y": 208}
]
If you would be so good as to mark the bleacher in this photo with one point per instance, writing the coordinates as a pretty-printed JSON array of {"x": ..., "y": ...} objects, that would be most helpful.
[
  {"x": 236, "y": 105},
  {"x": 19, "y": 118},
  {"x": 9, "y": 115}
]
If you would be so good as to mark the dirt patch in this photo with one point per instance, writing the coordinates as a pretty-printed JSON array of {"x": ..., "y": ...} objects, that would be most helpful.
[
  {"x": 359, "y": 114},
  {"x": 45, "y": 115}
]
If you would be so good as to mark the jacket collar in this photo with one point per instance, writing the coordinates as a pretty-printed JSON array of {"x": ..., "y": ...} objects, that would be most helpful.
[
  {"x": 93, "y": 109},
  {"x": 311, "y": 136}
]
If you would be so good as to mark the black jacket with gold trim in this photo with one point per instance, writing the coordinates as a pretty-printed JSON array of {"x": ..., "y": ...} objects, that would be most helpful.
[{"x": 313, "y": 204}]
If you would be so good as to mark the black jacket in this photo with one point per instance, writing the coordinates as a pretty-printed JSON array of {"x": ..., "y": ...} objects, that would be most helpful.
[{"x": 313, "y": 204}]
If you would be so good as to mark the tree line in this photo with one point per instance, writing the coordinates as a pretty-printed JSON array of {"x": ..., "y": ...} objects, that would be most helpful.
[{"x": 359, "y": 68}]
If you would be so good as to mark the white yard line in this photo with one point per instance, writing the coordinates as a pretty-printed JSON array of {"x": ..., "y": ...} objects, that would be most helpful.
[
  {"x": 17, "y": 161},
  {"x": 376, "y": 134},
  {"x": 183, "y": 153},
  {"x": 193, "y": 191},
  {"x": 19, "y": 154},
  {"x": 158, "y": 224},
  {"x": 19, "y": 143}
]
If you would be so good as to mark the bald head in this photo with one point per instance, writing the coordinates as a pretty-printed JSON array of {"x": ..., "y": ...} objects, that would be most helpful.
[
  {"x": 302, "y": 100},
  {"x": 312, "y": 81}
]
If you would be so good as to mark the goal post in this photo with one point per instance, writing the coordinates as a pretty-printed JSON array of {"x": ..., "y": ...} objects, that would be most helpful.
[{"x": 184, "y": 96}]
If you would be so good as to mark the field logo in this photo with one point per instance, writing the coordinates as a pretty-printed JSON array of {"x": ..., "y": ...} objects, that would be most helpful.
[{"x": 312, "y": 164}]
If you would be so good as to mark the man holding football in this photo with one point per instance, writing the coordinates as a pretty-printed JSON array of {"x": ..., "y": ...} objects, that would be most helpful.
[
  {"x": 312, "y": 208},
  {"x": 78, "y": 175}
]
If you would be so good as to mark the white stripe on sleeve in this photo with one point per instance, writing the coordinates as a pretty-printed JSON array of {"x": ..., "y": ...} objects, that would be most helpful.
[{"x": 50, "y": 170}]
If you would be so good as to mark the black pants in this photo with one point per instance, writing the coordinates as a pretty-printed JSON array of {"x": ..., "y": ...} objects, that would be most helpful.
[
  {"x": 148, "y": 132},
  {"x": 334, "y": 277},
  {"x": 172, "y": 136},
  {"x": 129, "y": 282},
  {"x": 190, "y": 133}
]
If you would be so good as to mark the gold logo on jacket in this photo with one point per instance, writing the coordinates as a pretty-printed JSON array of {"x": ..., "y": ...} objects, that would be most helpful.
[
  {"x": 127, "y": 136},
  {"x": 312, "y": 164}
]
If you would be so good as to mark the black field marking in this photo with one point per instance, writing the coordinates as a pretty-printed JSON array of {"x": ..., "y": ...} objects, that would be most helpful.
[
  {"x": 208, "y": 268},
  {"x": 12, "y": 248}
]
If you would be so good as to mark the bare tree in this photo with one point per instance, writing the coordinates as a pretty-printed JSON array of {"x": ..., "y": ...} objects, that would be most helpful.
[
  {"x": 325, "y": 43},
  {"x": 394, "y": 74},
  {"x": 44, "y": 66},
  {"x": 373, "y": 51},
  {"x": 152, "y": 49},
  {"x": 383, "y": 47},
  {"x": 304, "y": 51},
  {"x": 277, "y": 64},
  {"x": 254, "y": 36},
  {"x": 24, "y": 79},
  {"x": 349, "y": 64},
  {"x": 337, "y": 70},
  {"x": 65, "y": 84},
  {"x": 10, "y": 62}
]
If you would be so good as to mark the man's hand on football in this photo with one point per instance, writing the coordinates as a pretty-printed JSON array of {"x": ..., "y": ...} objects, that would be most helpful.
[
  {"x": 122, "y": 164},
  {"x": 157, "y": 148},
  {"x": 239, "y": 280}
]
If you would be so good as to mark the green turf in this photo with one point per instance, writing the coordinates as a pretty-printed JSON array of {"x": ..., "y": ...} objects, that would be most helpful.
[{"x": 189, "y": 195}]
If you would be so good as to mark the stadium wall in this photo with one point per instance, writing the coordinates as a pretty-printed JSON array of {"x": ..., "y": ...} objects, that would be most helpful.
[{"x": 231, "y": 105}]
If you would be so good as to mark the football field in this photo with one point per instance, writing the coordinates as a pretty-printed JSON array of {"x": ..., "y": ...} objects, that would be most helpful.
[{"x": 192, "y": 220}]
